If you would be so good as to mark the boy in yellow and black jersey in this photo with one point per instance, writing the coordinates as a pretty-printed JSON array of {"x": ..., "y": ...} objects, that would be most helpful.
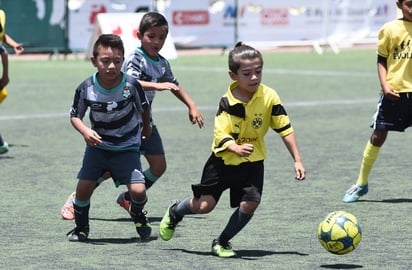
[{"x": 245, "y": 114}]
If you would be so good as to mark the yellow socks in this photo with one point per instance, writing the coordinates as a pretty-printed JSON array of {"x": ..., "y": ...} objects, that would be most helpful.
[{"x": 370, "y": 154}]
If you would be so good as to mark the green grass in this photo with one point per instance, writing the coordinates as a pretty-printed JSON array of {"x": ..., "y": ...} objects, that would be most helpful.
[{"x": 330, "y": 99}]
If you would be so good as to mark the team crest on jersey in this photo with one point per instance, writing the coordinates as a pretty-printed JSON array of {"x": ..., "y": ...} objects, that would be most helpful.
[
  {"x": 163, "y": 68},
  {"x": 257, "y": 122},
  {"x": 126, "y": 92}
]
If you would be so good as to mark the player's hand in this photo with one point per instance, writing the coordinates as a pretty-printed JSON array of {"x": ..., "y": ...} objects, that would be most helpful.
[
  {"x": 19, "y": 49},
  {"x": 243, "y": 150},
  {"x": 196, "y": 117},
  {"x": 92, "y": 138},
  {"x": 146, "y": 132},
  {"x": 390, "y": 94},
  {"x": 300, "y": 171},
  {"x": 168, "y": 86}
]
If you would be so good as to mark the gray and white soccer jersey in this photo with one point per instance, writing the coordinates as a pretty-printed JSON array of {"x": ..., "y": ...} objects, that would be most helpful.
[
  {"x": 115, "y": 114},
  {"x": 140, "y": 66}
]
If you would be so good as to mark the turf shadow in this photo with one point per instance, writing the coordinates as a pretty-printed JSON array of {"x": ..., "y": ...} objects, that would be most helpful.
[
  {"x": 399, "y": 200},
  {"x": 104, "y": 241},
  {"x": 341, "y": 266},
  {"x": 151, "y": 219},
  {"x": 245, "y": 254}
]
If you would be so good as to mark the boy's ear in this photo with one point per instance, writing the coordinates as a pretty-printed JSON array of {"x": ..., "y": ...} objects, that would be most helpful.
[
  {"x": 232, "y": 75},
  {"x": 93, "y": 60},
  {"x": 138, "y": 35}
]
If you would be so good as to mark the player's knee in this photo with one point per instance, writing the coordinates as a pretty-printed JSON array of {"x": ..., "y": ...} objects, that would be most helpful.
[
  {"x": 203, "y": 206},
  {"x": 249, "y": 207}
]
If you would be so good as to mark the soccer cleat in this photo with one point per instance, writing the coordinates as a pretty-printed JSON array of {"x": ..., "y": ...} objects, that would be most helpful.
[
  {"x": 223, "y": 251},
  {"x": 67, "y": 211},
  {"x": 78, "y": 234},
  {"x": 142, "y": 224},
  {"x": 169, "y": 222},
  {"x": 4, "y": 148},
  {"x": 354, "y": 192},
  {"x": 121, "y": 200}
]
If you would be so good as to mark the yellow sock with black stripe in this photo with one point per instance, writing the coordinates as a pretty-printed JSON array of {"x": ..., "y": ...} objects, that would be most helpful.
[{"x": 370, "y": 154}]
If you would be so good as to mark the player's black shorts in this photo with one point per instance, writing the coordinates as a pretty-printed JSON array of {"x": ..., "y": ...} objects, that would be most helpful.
[
  {"x": 393, "y": 115},
  {"x": 245, "y": 181},
  {"x": 124, "y": 166},
  {"x": 152, "y": 145}
]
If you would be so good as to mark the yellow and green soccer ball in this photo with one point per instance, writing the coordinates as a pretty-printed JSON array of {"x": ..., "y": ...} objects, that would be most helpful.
[{"x": 340, "y": 232}]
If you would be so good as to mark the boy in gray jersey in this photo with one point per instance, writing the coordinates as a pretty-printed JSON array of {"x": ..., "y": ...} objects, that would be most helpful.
[
  {"x": 154, "y": 73},
  {"x": 119, "y": 116}
]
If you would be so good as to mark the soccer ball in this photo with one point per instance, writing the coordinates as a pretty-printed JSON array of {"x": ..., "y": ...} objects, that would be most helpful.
[{"x": 339, "y": 233}]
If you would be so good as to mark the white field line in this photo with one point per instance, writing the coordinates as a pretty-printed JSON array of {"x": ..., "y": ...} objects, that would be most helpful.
[
  {"x": 201, "y": 108},
  {"x": 213, "y": 108}
]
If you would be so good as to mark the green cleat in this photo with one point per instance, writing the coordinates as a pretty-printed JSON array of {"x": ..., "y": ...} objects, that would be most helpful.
[
  {"x": 169, "y": 222},
  {"x": 4, "y": 148},
  {"x": 223, "y": 251}
]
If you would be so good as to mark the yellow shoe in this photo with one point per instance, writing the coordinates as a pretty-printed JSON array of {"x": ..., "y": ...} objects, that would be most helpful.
[{"x": 223, "y": 251}]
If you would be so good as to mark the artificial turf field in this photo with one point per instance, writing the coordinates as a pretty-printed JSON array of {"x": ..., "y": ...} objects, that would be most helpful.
[{"x": 330, "y": 100}]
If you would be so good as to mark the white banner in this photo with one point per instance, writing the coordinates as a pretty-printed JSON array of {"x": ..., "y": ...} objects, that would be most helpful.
[
  {"x": 262, "y": 23},
  {"x": 126, "y": 25},
  {"x": 272, "y": 23}
]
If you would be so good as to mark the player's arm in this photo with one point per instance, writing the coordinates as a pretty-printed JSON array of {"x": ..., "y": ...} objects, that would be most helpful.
[
  {"x": 5, "y": 63},
  {"x": 18, "y": 47},
  {"x": 292, "y": 146},
  {"x": 146, "y": 126},
  {"x": 382, "y": 73},
  {"x": 194, "y": 115}
]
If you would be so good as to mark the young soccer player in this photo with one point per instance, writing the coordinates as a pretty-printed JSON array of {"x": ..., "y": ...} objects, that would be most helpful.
[
  {"x": 4, "y": 147},
  {"x": 245, "y": 113},
  {"x": 394, "y": 107},
  {"x": 154, "y": 73},
  {"x": 119, "y": 116}
]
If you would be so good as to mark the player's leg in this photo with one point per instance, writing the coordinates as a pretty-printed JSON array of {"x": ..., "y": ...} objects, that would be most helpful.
[
  {"x": 67, "y": 211},
  {"x": 126, "y": 169},
  {"x": 81, "y": 205},
  {"x": 390, "y": 115},
  {"x": 206, "y": 195},
  {"x": 153, "y": 151},
  {"x": 94, "y": 162},
  {"x": 245, "y": 195},
  {"x": 138, "y": 200}
]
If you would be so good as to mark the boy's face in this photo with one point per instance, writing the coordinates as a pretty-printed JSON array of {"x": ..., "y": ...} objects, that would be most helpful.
[
  {"x": 406, "y": 7},
  {"x": 108, "y": 62},
  {"x": 153, "y": 40},
  {"x": 249, "y": 75}
]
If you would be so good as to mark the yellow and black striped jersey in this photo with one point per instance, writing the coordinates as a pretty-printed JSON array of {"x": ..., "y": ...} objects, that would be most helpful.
[
  {"x": 395, "y": 44},
  {"x": 240, "y": 122}
]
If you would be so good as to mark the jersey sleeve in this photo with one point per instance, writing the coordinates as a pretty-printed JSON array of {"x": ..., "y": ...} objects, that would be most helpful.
[
  {"x": 223, "y": 133},
  {"x": 383, "y": 46},
  {"x": 280, "y": 121},
  {"x": 168, "y": 74},
  {"x": 79, "y": 105}
]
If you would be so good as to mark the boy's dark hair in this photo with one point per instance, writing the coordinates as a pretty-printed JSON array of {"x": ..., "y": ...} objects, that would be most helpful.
[
  {"x": 152, "y": 19},
  {"x": 108, "y": 40},
  {"x": 242, "y": 51}
]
